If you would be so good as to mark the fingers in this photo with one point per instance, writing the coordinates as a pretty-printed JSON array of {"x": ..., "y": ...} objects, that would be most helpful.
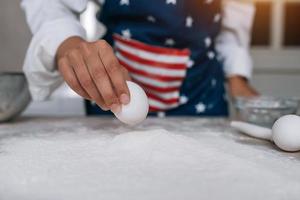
[
  {"x": 93, "y": 71},
  {"x": 125, "y": 73},
  {"x": 76, "y": 61},
  {"x": 70, "y": 78},
  {"x": 100, "y": 78},
  {"x": 114, "y": 70}
]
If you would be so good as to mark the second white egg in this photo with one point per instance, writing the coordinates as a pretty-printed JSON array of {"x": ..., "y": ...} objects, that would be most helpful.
[{"x": 286, "y": 133}]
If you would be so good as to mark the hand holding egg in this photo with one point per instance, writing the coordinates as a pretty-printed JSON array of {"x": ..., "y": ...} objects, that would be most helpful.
[{"x": 136, "y": 111}]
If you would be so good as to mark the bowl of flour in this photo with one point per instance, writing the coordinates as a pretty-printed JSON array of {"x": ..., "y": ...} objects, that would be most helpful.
[{"x": 264, "y": 110}]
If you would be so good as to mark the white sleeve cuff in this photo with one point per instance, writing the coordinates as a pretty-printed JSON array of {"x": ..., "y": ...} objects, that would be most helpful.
[
  {"x": 233, "y": 41},
  {"x": 39, "y": 65},
  {"x": 237, "y": 61}
]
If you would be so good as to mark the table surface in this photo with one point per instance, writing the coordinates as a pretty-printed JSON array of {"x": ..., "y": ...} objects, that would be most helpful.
[{"x": 171, "y": 158}]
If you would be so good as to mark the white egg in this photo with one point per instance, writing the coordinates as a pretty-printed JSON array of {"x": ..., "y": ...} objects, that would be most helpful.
[
  {"x": 137, "y": 110},
  {"x": 286, "y": 133}
]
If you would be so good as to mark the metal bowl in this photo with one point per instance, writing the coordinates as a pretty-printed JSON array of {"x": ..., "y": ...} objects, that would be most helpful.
[
  {"x": 264, "y": 110},
  {"x": 14, "y": 95}
]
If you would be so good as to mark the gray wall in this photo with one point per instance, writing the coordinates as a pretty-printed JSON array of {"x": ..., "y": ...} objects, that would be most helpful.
[{"x": 14, "y": 36}]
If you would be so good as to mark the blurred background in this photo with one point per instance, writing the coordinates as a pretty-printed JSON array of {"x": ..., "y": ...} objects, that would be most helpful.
[{"x": 275, "y": 50}]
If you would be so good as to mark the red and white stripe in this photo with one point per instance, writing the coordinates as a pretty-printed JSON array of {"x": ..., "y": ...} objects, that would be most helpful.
[{"x": 160, "y": 71}]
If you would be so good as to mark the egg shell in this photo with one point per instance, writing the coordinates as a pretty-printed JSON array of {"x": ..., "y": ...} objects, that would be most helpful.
[
  {"x": 286, "y": 133},
  {"x": 137, "y": 110}
]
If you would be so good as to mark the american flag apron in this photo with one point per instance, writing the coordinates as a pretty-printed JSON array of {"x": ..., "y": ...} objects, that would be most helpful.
[
  {"x": 168, "y": 48},
  {"x": 160, "y": 71}
]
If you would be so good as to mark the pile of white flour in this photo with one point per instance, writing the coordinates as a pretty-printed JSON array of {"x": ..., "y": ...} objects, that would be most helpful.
[{"x": 87, "y": 163}]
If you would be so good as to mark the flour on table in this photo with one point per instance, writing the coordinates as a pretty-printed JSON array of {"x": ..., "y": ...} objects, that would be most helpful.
[{"x": 146, "y": 164}]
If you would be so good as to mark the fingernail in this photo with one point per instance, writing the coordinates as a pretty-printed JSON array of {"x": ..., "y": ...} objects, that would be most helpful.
[
  {"x": 124, "y": 98},
  {"x": 104, "y": 108},
  {"x": 115, "y": 108}
]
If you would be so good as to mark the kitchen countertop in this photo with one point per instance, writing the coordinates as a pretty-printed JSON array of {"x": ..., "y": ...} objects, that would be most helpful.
[{"x": 171, "y": 158}]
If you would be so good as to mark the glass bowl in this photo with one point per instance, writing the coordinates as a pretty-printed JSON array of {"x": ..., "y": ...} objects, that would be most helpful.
[{"x": 264, "y": 110}]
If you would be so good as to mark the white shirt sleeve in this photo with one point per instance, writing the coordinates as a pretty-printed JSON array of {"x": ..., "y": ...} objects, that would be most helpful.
[
  {"x": 233, "y": 42},
  {"x": 51, "y": 22}
]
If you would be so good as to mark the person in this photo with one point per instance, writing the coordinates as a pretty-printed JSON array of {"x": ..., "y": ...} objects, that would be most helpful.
[{"x": 180, "y": 51}]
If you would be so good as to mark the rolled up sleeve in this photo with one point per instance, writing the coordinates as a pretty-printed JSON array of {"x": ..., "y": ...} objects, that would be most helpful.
[
  {"x": 233, "y": 42},
  {"x": 51, "y": 22}
]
